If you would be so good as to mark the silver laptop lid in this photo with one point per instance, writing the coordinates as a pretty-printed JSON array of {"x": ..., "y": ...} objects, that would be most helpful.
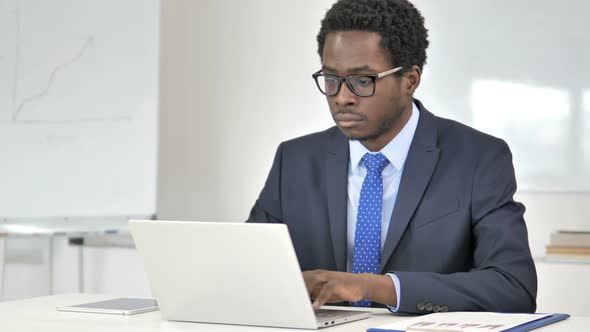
[{"x": 230, "y": 273}]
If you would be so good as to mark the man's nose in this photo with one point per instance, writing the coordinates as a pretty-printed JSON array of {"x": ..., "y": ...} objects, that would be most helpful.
[{"x": 345, "y": 97}]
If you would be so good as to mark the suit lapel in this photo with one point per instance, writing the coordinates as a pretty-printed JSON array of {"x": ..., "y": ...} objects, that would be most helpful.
[
  {"x": 336, "y": 190},
  {"x": 418, "y": 169}
]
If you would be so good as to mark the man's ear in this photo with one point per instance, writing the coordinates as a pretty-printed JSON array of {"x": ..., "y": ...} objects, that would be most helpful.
[{"x": 411, "y": 80}]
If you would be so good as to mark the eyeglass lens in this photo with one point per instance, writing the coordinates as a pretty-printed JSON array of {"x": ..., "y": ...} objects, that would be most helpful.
[{"x": 360, "y": 85}]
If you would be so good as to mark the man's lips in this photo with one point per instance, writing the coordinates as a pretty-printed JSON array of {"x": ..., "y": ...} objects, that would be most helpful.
[{"x": 347, "y": 119}]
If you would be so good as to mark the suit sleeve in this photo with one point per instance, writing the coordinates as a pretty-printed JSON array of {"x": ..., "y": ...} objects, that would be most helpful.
[
  {"x": 267, "y": 208},
  {"x": 503, "y": 278}
]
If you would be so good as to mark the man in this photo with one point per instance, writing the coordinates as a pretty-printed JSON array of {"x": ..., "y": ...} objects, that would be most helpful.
[{"x": 395, "y": 206}]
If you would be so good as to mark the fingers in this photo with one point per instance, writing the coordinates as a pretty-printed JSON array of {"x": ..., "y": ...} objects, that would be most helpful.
[
  {"x": 328, "y": 287},
  {"x": 314, "y": 281},
  {"x": 324, "y": 296},
  {"x": 313, "y": 290}
]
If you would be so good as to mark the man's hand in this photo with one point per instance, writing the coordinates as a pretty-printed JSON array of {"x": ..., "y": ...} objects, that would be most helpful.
[{"x": 329, "y": 287}]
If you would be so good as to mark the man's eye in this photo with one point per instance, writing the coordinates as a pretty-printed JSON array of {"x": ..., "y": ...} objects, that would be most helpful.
[
  {"x": 331, "y": 80},
  {"x": 363, "y": 81}
]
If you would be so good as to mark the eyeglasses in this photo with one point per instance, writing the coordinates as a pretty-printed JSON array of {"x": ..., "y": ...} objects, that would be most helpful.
[{"x": 360, "y": 85}]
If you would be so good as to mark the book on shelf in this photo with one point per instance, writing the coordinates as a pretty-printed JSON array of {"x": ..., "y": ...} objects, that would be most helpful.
[
  {"x": 564, "y": 238},
  {"x": 565, "y": 258},
  {"x": 569, "y": 250},
  {"x": 569, "y": 246}
]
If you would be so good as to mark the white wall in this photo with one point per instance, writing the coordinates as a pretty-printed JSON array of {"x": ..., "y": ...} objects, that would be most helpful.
[
  {"x": 549, "y": 211},
  {"x": 236, "y": 81},
  {"x": 517, "y": 70}
]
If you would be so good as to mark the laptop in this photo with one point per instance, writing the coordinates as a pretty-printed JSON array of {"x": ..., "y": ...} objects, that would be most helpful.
[{"x": 229, "y": 273}]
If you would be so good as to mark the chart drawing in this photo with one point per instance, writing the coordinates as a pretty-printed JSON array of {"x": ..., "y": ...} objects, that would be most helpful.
[{"x": 41, "y": 87}]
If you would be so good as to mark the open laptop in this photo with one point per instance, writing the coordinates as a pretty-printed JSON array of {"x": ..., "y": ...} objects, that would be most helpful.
[{"x": 229, "y": 273}]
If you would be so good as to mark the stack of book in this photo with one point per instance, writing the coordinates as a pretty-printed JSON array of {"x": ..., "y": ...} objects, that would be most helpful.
[{"x": 569, "y": 245}]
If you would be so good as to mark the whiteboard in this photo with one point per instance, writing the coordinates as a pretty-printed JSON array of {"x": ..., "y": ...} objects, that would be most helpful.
[{"x": 78, "y": 107}]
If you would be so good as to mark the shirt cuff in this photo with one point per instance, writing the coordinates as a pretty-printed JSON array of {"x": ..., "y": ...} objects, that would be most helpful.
[{"x": 395, "y": 280}]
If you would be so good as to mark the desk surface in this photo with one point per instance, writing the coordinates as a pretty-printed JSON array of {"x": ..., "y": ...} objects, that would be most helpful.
[{"x": 39, "y": 314}]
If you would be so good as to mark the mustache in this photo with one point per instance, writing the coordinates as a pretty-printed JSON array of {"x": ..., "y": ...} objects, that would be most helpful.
[{"x": 347, "y": 111}]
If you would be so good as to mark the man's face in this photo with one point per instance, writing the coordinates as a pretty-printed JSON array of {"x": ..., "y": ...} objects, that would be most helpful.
[{"x": 372, "y": 120}]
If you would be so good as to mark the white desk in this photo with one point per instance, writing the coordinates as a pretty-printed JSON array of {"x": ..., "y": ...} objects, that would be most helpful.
[{"x": 39, "y": 314}]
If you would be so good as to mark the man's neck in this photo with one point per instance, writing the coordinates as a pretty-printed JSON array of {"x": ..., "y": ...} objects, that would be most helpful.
[{"x": 378, "y": 143}]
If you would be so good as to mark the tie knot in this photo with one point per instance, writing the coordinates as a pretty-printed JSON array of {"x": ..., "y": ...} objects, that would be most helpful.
[{"x": 375, "y": 163}]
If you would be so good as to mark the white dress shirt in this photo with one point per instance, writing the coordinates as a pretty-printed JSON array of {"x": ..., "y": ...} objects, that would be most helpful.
[{"x": 396, "y": 151}]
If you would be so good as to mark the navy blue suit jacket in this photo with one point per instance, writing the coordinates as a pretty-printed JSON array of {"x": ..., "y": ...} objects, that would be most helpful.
[{"x": 457, "y": 239}]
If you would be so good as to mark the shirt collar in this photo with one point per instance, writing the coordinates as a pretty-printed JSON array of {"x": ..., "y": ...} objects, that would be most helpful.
[{"x": 396, "y": 151}]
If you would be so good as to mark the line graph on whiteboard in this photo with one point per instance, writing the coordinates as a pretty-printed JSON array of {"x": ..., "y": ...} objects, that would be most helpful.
[{"x": 56, "y": 72}]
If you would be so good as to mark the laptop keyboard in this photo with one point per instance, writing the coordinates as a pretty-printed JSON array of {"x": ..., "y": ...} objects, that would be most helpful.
[{"x": 327, "y": 313}]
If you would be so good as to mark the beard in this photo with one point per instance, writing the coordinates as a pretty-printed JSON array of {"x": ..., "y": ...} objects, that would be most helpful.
[{"x": 385, "y": 126}]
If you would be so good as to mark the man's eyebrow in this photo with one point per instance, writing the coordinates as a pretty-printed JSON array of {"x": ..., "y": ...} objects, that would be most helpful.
[
  {"x": 365, "y": 67},
  {"x": 324, "y": 67},
  {"x": 355, "y": 69}
]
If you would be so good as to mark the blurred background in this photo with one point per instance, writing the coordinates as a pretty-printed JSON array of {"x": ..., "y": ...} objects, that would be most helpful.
[{"x": 175, "y": 108}]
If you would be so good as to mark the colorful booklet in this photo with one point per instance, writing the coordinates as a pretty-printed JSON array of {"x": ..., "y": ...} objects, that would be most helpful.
[{"x": 472, "y": 321}]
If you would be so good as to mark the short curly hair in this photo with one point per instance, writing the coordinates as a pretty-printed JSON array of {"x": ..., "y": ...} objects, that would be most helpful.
[{"x": 401, "y": 26}]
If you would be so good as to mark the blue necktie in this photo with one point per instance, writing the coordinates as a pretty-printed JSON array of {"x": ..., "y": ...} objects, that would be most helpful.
[{"x": 367, "y": 236}]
